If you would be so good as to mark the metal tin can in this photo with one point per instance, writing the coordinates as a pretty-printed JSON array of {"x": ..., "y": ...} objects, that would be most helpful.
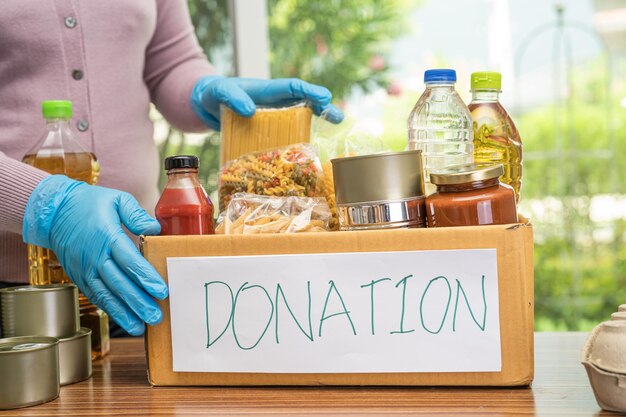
[
  {"x": 75, "y": 357},
  {"x": 380, "y": 191},
  {"x": 29, "y": 371},
  {"x": 43, "y": 310},
  {"x": 382, "y": 215}
]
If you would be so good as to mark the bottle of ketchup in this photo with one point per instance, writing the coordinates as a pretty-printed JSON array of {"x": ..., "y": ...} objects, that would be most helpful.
[{"x": 184, "y": 207}]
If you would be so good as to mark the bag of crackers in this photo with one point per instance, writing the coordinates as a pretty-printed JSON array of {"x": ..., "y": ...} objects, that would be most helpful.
[{"x": 252, "y": 214}]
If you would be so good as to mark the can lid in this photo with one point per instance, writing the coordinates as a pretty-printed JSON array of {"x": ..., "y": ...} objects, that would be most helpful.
[
  {"x": 486, "y": 80},
  {"x": 382, "y": 177},
  {"x": 462, "y": 174},
  {"x": 82, "y": 332},
  {"x": 56, "y": 109},
  {"x": 440, "y": 75},
  {"x": 181, "y": 161},
  {"x": 11, "y": 345}
]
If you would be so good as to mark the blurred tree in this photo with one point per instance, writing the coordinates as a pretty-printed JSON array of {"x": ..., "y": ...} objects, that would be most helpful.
[
  {"x": 340, "y": 44},
  {"x": 212, "y": 24},
  {"x": 571, "y": 160}
]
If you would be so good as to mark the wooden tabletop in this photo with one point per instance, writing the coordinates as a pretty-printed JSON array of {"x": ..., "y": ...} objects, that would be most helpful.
[{"x": 119, "y": 386}]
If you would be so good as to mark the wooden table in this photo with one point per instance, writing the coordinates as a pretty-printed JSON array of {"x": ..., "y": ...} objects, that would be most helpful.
[{"x": 119, "y": 387}]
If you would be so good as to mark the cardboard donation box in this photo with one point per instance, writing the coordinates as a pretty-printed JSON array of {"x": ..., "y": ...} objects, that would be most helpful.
[{"x": 443, "y": 306}]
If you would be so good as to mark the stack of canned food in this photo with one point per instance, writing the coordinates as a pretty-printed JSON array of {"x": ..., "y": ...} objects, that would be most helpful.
[{"x": 43, "y": 346}]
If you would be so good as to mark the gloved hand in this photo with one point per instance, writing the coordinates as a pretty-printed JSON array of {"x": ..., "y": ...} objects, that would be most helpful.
[
  {"x": 241, "y": 95},
  {"x": 82, "y": 224}
]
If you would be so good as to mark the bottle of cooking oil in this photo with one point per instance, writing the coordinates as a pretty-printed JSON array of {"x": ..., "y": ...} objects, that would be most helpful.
[
  {"x": 496, "y": 139},
  {"x": 59, "y": 152}
]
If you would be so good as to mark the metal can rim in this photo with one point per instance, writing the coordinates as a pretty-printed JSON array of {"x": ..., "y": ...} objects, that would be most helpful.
[
  {"x": 379, "y": 202},
  {"x": 374, "y": 155},
  {"x": 394, "y": 214},
  {"x": 82, "y": 332},
  {"x": 45, "y": 340},
  {"x": 26, "y": 289}
]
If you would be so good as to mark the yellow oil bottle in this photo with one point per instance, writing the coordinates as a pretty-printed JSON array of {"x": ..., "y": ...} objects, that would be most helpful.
[
  {"x": 496, "y": 139},
  {"x": 59, "y": 152}
]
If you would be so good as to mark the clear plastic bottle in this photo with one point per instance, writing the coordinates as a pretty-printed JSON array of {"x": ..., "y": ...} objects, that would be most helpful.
[
  {"x": 59, "y": 152},
  {"x": 496, "y": 139},
  {"x": 184, "y": 207},
  {"x": 440, "y": 125}
]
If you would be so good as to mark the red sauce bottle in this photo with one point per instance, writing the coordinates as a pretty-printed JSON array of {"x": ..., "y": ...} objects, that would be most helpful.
[{"x": 184, "y": 207}]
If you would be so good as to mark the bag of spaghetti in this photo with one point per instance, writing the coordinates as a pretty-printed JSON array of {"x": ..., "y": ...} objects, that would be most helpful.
[
  {"x": 293, "y": 170},
  {"x": 253, "y": 214}
]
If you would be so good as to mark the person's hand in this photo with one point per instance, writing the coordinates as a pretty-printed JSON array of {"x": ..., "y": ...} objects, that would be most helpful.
[
  {"x": 82, "y": 224},
  {"x": 242, "y": 94}
]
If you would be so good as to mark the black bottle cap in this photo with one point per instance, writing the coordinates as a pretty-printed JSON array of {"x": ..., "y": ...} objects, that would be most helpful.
[{"x": 181, "y": 161}]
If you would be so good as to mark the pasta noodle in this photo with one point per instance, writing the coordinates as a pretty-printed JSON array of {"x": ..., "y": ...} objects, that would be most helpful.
[
  {"x": 290, "y": 171},
  {"x": 268, "y": 128},
  {"x": 253, "y": 214},
  {"x": 328, "y": 190}
]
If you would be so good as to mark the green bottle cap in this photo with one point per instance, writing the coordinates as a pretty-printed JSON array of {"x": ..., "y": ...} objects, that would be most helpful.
[
  {"x": 57, "y": 109},
  {"x": 486, "y": 80}
]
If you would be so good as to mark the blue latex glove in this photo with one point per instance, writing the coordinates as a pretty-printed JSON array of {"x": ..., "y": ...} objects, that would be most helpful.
[
  {"x": 242, "y": 94},
  {"x": 82, "y": 224}
]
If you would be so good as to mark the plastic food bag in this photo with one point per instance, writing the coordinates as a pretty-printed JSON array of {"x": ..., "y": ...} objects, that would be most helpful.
[
  {"x": 294, "y": 170},
  {"x": 349, "y": 138},
  {"x": 338, "y": 141},
  {"x": 252, "y": 214},
  {"x": 270, "y": 127}
]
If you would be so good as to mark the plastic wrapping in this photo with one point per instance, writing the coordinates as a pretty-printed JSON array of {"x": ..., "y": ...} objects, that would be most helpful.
[
  {"x": 290, "y": 171},
  {"x": 253, "y": 214},
  {"x": 270, "y": 127},
  {"x": 339, "y": 141}
]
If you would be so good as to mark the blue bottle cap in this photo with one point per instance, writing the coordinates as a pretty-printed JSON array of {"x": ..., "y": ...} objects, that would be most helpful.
[{"x": 440, "y": 75}]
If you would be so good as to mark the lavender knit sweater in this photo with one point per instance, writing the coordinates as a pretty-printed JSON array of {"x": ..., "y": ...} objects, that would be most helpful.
[{"x": 111, "y": 59}]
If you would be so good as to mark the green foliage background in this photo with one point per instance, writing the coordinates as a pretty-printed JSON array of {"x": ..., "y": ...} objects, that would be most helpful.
[
  {"x": 333, "y": 42},
  {"x": 580, "y": 264},
  {"x": 330, "y": 43}
]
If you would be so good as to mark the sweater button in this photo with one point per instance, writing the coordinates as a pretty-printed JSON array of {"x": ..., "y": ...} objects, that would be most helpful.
[
  {"x": 82, "y": 125},
  {"x": 70, "y": 22},
  {"x": 77, "y": 75}
]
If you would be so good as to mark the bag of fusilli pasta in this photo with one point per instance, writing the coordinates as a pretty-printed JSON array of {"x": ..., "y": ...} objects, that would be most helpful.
[
  {"x": 253, "y": 214},
  {"x": 294, "y": 170}
]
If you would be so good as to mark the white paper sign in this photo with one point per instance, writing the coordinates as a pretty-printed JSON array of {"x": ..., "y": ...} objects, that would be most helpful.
[{"x": 414, "y": 311}]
